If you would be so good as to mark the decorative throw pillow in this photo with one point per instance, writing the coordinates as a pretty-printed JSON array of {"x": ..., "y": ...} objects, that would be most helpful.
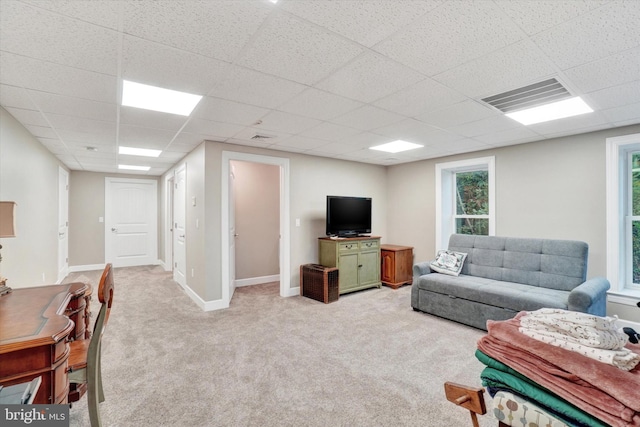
[{"x": 448, "y": 262}]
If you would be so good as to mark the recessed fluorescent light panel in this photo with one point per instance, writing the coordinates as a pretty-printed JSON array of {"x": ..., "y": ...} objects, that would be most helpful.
[
  {"x": 158, "y": 99},
  {"x": 134, "y": 168},
  {"x": 139, "y": 151},
  {"x": 396, "y": 146},
  {"x": 556, "y": 110}
]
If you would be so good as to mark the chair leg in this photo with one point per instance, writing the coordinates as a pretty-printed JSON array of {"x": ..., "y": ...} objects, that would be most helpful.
[{"x": 93, "y": 398}]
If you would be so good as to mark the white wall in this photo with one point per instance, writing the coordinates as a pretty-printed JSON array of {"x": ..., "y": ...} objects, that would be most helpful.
[
  {"x": 548, "y": 189},
  {"x": 311, "y": 180},
  {"x": 28, "y": 176}
]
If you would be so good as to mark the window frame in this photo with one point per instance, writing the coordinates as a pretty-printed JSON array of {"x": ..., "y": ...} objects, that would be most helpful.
[
  {"x": 445, "y": 195},
  {"x": 618, "y": 200}
]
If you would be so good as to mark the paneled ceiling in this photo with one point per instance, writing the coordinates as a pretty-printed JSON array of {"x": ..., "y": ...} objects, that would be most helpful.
[{"x": 320, "y": 77}]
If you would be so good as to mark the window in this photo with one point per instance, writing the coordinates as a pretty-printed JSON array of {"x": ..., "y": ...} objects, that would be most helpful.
[
  {"x": 623, "y": 218},
  {"x": 464, "y": 199}
]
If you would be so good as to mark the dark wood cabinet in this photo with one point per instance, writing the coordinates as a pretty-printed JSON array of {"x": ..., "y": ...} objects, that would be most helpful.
[{"x": 396, "y": 265}]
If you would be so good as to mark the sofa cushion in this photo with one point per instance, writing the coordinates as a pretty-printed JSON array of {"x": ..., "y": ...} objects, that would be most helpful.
[
  {"x": 448, "y": 262},
  {"x": 511, "y": 295},
  {"x": 555, "y": 264}
]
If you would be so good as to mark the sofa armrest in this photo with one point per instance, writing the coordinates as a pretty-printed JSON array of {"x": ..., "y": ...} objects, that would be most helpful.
[
  {"x": 421, "y": 268},
  {"x": 590, "y": 297}
]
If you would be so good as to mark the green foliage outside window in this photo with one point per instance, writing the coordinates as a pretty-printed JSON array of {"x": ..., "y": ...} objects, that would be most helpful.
[
  {"x": 635, "y": 211},
  {"x": 472, "y": 198}
]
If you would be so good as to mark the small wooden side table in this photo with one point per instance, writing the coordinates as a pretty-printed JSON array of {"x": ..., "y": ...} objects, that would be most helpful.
[{"x": 396, "y": 265}]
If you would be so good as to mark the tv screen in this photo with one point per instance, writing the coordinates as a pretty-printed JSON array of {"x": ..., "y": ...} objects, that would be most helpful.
[{"x": 348, "y": 216}]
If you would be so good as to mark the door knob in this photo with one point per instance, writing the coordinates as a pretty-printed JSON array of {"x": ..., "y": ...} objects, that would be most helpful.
[{"x": 115, "y": 230}]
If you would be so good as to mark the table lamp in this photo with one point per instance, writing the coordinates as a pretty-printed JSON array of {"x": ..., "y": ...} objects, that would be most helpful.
[{"x": 7, "y": 229}]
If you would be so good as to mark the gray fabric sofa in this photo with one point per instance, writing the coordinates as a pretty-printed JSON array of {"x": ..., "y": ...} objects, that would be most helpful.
[{"x": 502, "y": 276}]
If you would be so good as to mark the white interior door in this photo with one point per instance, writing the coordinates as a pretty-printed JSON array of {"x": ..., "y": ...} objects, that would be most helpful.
[
  {"x": 131, "y": 233},
  {"x": 179, "y": 226},
  {"x": 63, "y": 224}
]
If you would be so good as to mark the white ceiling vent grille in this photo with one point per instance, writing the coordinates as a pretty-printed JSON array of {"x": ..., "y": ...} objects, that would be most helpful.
[{"x": 529, "y": 96}]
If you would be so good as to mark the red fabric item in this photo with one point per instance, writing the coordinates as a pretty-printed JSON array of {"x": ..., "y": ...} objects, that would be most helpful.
[{"x": 602, "y": 390}]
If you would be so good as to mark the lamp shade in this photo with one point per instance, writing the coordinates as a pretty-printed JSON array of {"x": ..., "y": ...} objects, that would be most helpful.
[{"x": 7, "y": 219}]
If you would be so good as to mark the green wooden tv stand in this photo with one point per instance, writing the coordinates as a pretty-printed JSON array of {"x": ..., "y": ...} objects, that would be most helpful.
[{"x": 357, "y": 260}]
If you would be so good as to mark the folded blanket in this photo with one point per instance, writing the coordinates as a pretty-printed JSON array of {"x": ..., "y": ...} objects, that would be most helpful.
[
  {"x": 495, "y": 380},
  {"x": 515, "y": 411},
  {"x": 621, "y": 357},
  {"x": 608, "y": 393},
  {"x": 580, "y": 328}
]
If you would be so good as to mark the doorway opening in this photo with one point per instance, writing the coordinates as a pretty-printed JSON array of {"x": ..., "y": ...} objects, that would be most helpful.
[{"x": 228, "y": 226}]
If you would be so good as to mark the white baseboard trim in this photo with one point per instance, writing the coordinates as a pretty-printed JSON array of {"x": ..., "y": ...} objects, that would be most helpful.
[
  {"x": 204, "y": 305},
  {"x": 88, "y": 267},
  {"x": 257, "y": 280},
  {"x": 293, "y": 292},
  {"x": 621, "y": 323}
]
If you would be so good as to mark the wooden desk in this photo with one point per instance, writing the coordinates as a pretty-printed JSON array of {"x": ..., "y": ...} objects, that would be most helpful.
[{"x": 34, "y": 334}]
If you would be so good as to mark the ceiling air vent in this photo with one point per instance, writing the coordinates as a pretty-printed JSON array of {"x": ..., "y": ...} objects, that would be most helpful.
[
  {"x": 529, "y": 96},
  {"x": 261, "y": 137}
]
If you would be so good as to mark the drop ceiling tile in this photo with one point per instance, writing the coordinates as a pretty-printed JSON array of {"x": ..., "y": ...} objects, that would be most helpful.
[
  {"x": 42, "y": 132},
  {"x": 369, "y": 77},
  {"x": 409, "y": 130},
  {"x": 614, "y": 96},
  {"x": 366, "y": 22},
  {"x": 613, "y": 27},
  {"x": 300, "y": 143},
  {"x": 218, "y": 29},
  {"x": 60, "y": 39},
  {"x": 13, "y": 96},
  {"x": 509, "y": 136},
  {"x": 28, "y": 117},
  {"x": 585, "y": 122},
  {"x": 103, "y": 13},
  {"x": 70, "y": 161},
  {"x": 364, "y": 140},
  {"x": 511, "y": 67},
  {"x": 458, "y": 114},
  {"x": 252, "y": 143},
  {"x": 333, "y": 148},
  {"x": 420, "y": 97},
  {"x": 211, "y": 129},
  {"x": 485, "y": 126},
  {"x": 221, "y": 110},
  {"x": 367, "y": 118},
  {"x": 464, "y": 146},
  {"x": 69, "y": 106},
  {"x": 167, "y": 67},
  {"x": 151, "y": 119},
  {"x": 248, "y": 133},
  {"x": 627, "y": 114},
  {"x": 296, "y": 50},
  {"x": 184, "y": 143},
  {"x": 76, "y": 124},
  {"x": 623, "y": 67},
  {"x": 329, "y": 131},
  {"x": 319, "y": 105},
  {"x": 450, "y": 35},
  {"x": 278, "y": 121},
  {"x": 536, "y": 16},
  {"x": 86, "y": 138},
  {"x": 135, "y": 136},
  {"x": 252, "y": 87},
  {"x": 59, "y": 79},
  {"x": 54, "y": 145}
]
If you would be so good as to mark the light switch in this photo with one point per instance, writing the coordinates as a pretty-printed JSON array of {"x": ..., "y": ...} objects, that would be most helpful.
[
  {"x": 297, "y": 222},
  {"x": 193, "y": 200},
  {"x": 100, "y": 219}
]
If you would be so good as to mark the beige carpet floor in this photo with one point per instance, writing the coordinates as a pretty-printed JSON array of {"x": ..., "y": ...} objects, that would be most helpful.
[{"x": 365, "y": 360}]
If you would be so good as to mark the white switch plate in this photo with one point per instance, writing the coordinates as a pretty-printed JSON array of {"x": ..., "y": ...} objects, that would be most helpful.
[{"x": 297, "y": 222}]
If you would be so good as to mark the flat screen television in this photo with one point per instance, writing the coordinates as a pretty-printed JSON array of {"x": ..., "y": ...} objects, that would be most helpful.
[{"x": 348, "y": 216}]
